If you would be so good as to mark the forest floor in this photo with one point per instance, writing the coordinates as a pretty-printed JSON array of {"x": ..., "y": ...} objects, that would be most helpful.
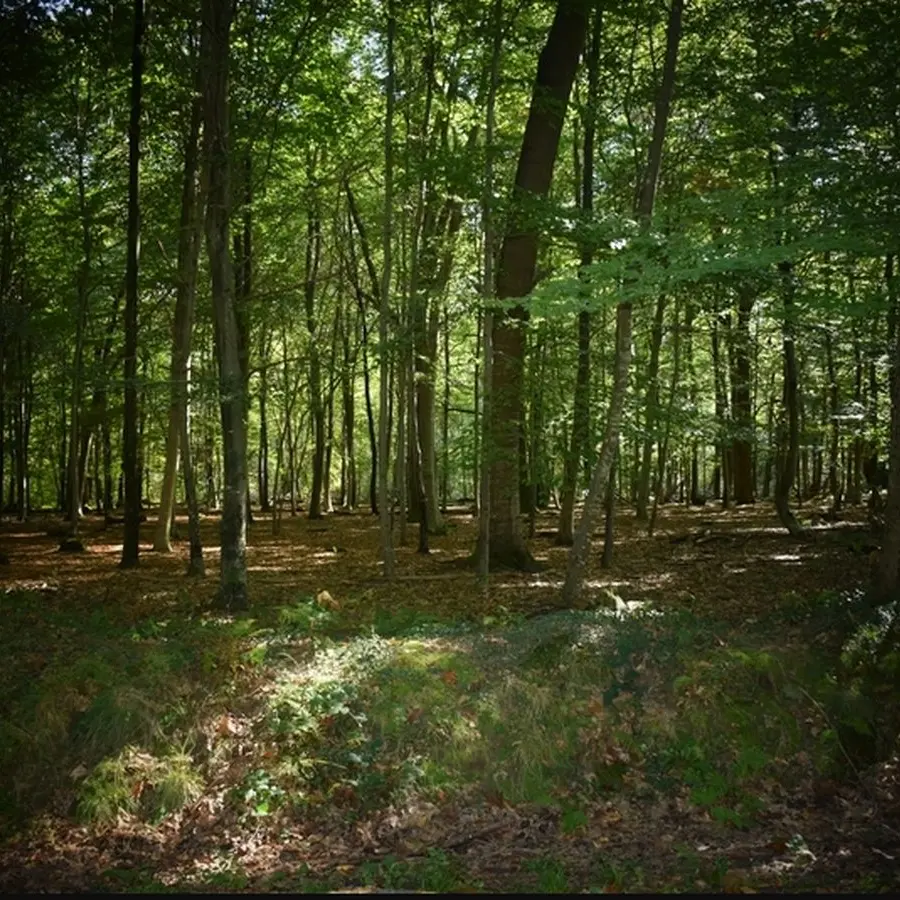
[{"x": 685, "y": 732}]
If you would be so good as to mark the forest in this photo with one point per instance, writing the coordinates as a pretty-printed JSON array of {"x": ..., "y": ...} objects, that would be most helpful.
[{"x": 450, "y": 446}]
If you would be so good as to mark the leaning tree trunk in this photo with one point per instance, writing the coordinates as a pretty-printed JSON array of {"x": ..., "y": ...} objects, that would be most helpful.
[
  {"x": 216, "y": 28},
  {"x": 516, "y": 272},
  {"x": 581, "y": 405},
  {"x": 130, "y": 455},
  {"x": 188, "y": 248},
  {"x": 575, "y": 571}
]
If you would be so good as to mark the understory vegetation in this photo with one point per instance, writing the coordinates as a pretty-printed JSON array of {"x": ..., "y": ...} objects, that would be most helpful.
[{"x": 625, "y": 747}]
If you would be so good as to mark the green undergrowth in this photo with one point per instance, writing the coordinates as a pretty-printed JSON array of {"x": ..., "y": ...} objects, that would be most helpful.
[{"x": 354, "y": 713}]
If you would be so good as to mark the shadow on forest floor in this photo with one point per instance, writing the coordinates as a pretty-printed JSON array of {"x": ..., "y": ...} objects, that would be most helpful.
[{"x": 416, "y": 736}]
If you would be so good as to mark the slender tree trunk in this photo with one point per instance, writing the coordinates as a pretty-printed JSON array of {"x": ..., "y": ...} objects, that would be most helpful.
[
  {"x": 742, "y": 412},
  {"x": 575, "y": 571},
  {"x": 317, "y": 407},
  {"x": 651, "y": 409},
  {"x": 516, "y": 272},
  {"x": 886, "y": 577},
  {"x": 263, "y": 463},
  {"x": 384, "y": 505},
  {"x": 723, "y": 442},
  {"x": 130, "y": 461},
  {"x": 581, "y": 406},
  {"x": 834, "y": 482},
  {"x": 790, "y": 430},
  {"x": 182, "y": 326},
  {"x": 196, "y": 565},
  {"x": 663, "y": 450},
  {"x": 216, "y": 28},
  {"x": 484, "y": 452}
]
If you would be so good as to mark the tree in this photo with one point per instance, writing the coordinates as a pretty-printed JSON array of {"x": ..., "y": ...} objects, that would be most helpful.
[
  {"x": 130, "y": 462},
  {"x": 646, "y": 197},
  {"x": 216, "y": 28},
  {"x": 516, "y": 274}
]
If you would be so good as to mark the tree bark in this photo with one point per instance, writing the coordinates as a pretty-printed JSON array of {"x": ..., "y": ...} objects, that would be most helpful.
[
  {"x": 182, "y": 326},
  {"x": 516, "y": 272},
  {"x": 886, "y": 577},
  {"x": 581, "y": 404},
  {"x": 384, "y": 505},
  {"x": 130, "y": 460},
  {"x": 651, "y": 409},
  {"x": 216, "y": 27},
  {"x": 317, "y": 407},
  {"x": 743, "y": 475}
]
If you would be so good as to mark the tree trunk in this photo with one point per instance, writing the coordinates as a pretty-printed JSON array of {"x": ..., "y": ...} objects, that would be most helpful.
[
  {"x": 790, "y": 430},
  {"x": 263, "y": 462},
  {"x": 317, "y": 407},
  {"x": 384, "y": 506},
  {"x": 196, "y": 565},
  {"x": 233, "y": 587},
  {"x": 182, "y": 326},
  {"x": 516, "y": 272},
  {"x": 886, "y": 576},
  {"x": 743, "y": 474},
  {"x": 130, "y": 453},
  {"x": 581, "y": 404},
  {"x": 651, "y": 410},
  {"x": 575, "y": 571}
]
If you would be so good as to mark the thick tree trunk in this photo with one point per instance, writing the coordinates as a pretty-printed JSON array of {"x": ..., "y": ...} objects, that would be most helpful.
[
  {"x": 182, "y": 326},
  {"x": 575, "y": 571},
  {"x": 233, "y": 587},
  {"x": 515, "y": 276},
  {"x": 130, "y": 452}
]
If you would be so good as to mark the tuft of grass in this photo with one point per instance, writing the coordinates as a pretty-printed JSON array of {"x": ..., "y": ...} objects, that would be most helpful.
[{"x": 137, "y": 783}]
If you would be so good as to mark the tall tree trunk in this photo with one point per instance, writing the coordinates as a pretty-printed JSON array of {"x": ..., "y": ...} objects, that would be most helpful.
[
  {"x": 575, "y": 571},
  {"x": 216, "y": 28},
  {"x": 263, "y": 462},
  {"x": 789, "y": 444},
  {"x": 484, "y": 452},
  {"x": 196, "y": 565},
  {"x": 723, "y": 441},
  {"x": 384, "y": 505},
  {"x": 743, "y": 474},
  {"x": 651, "y": 409},
  {"x": 182, "y": 326},
  {"x": 317, "y": 407},
  {"x": 834, "y": 482},
  {"x": 663, "y": 449},
  {"x": 886, "y": 576},
  {"x": 581, "y": 404},
  {"x": 516, "y": 272},
  {"x": 130, "y": 461}
]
